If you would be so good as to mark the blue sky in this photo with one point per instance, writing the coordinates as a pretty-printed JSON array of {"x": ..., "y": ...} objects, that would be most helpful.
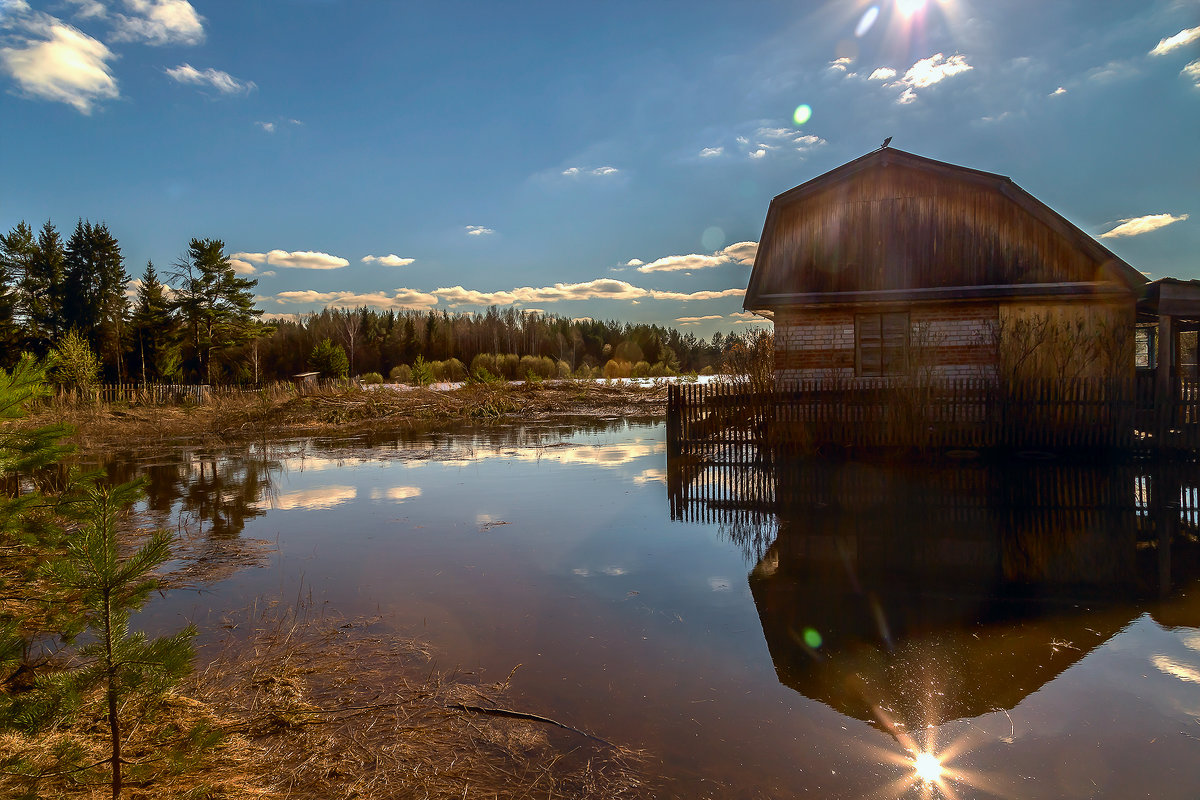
[{"x": 611, "y": 160}]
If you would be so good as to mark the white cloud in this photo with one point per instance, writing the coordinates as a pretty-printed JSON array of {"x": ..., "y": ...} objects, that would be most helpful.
[
  {"x": 769, "y": 140},
  {"x": 697, "y": 320},
  {"x": 1136, "y": 226},
  {"x": 1192, "y": 72},
  {"x": 682, "y": 263},
  {"x": 269, "y": 127},
  {"x": 389, "y": 260},
  {"x": 599, "y": 289},
  {"x": 299, "y": 259},
  {"x": 882, "y": 74},
  {"x": 478, "y": 230},
  {"x": 573, "y": 172},
  {"x": 634, "y": 262},
  {"x": 1057, "y": 92},
  {"x": 1181, "y": 39},
  {"x": 926, "y": 73},
  {"x": 242, "y": 267},
  {"x": 401, "y": 299},
  {"x": 711, "y": 152},
  {"x": 935, "y": 69},
  {"x": 704, "y": 295},
  {"x": 840, "y": 66},
  {"x": 223, "y": 82},
  {"x": 61, "y": 64},
  {"x": 739, "y": 253},
  {"x": 759, "y": 153},
  {"x": 160, "y": 22}
]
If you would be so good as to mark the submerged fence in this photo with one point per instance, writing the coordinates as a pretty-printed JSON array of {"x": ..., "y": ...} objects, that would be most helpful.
[{"x": 725, "y": 421}]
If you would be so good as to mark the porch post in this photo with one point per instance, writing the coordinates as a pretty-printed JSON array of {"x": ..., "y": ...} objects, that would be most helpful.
[{"x": 1164, "y": 395}]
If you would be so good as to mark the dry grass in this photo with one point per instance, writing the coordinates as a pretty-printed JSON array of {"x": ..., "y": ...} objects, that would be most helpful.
[
  {"x": 348, "y": 710},
  {"x": 279, "y": 411},
  {"x": 329, "y": 709}
]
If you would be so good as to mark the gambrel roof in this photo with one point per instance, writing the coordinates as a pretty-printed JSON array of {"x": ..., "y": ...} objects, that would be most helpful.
[{"x": 893, "y": 226}]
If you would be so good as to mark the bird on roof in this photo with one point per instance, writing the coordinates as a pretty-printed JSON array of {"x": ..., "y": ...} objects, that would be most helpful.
[{"x": 886, "y": 142}]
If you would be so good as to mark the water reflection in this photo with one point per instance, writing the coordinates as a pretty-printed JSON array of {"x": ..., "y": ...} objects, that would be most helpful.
[{"x": 912, "y": 596}]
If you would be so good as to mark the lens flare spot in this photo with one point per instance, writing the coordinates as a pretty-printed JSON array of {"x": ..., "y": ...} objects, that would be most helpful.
[
  {"x": 802, "y": 114},
  {"x": 909, "y": 7},
  {"x": 927, "y": 767},
  {"x": 713, "y": 238},
  {"x": 866, "y": 21},
  {"x": 812, "y": 638}
]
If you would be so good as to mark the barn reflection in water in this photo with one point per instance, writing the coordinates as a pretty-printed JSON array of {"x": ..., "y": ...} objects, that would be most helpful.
[{"x": 912, "y": 595}]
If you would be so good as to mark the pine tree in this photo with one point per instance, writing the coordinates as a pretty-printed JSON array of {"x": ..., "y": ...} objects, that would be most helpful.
[
  {"x": 93, "y": 294},
  {"x": 217, "y": 305},
  {"x": 124, "y": 664},
  {"x": 42, "y": 288},
  {"x": 15, "y": 250},
  {"x": 153, "y": 329}
]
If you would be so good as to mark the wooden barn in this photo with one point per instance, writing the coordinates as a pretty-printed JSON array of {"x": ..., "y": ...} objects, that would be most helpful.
[{"x": 899, "y": 266}]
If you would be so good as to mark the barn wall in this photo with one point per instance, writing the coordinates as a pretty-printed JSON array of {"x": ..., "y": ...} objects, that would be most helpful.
[
  {"x": 1058, "y": 340},
  {"x": 947, "y": 341}
]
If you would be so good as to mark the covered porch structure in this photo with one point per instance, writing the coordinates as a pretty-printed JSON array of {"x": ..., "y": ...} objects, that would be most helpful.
[{"x": 1168, "y": 375}]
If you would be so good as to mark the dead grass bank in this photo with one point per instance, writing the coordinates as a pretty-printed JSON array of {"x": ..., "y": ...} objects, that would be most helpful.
[
  {"x": 282, "y": 412},
  {"x": 331, "y": 709}
]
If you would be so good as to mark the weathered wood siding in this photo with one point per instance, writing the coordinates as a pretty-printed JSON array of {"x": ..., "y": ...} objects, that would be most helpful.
[
  {"x": 899, "y": 225},
  {"x": 946, "y": 341}
]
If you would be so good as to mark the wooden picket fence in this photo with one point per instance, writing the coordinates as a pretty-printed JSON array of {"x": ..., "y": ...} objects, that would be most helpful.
[{"x": 726, "y": 421}]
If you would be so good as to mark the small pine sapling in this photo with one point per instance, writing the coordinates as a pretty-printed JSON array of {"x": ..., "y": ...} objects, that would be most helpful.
[{"x": 124, "y": 664}]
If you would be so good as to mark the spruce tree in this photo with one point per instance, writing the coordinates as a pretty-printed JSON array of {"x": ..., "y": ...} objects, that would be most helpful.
[
  {"x": 217, "y": 304},
  {"x": 153, "y": 329},
  {"x": 93, "y": 294},
  {"x": 42, "y": 288},
  {"x": 16, "y": 248}
]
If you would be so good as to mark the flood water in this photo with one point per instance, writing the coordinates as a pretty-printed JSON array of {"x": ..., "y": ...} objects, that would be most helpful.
[{"x": 762, "y": 631}]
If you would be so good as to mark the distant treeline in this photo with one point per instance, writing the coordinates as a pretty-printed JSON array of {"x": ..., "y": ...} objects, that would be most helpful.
[{"x": 197, "y": 323}]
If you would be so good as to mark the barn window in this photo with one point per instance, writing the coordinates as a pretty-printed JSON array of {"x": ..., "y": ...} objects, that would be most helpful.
[{"x": 881, "y": 344}]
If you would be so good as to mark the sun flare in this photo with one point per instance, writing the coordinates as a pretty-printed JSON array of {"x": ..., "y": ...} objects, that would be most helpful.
[
  {"x": 909, "y": 7},
  {"x": 927, "y": 767}
]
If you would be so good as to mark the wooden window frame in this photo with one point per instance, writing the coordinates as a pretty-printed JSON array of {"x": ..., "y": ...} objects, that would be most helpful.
[{"x": 881, "y": 344}]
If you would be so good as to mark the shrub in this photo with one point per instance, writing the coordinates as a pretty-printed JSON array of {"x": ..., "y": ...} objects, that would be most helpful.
[
  {"x": 451, "y": 370},
  {"x": 75, "y": 365},
  {"x": 615, "y": 368},
  {"x": 422, "y": 374},
  {"x": 371, "y": 378},
  {"x": 329, "y": 359},
  {"x": 640, "y": 370},
  {"x": 401, "y": 373}
]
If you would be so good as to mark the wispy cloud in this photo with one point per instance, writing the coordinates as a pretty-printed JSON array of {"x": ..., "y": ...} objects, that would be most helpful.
[
  {"x": 574, "y": 172},
  {"x": 1059, "y": 91},
  {"x": 89, "y": 9},
  {"x": 779, "y": 140},
  {"x": 160, "y": 22},
  {"x": 711, "y": 152},
  {"x": 269, "y": 127},
  {"x": 740, "y": 253},
  {"x": 697, "y": 320},
  {"x": 51, "y": 60},
  {"x": 1136, "y": 226},
  {"x": 398, "y": 300},
  {"x": 298, "y": 259},
  {"x": 882, "y": 74},
  {"x": 223, "y": 82},
  {"x": 1181, "y": 39},
  {"x": 478, "y": 230},
  {"x": 389, "y": 260}
]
